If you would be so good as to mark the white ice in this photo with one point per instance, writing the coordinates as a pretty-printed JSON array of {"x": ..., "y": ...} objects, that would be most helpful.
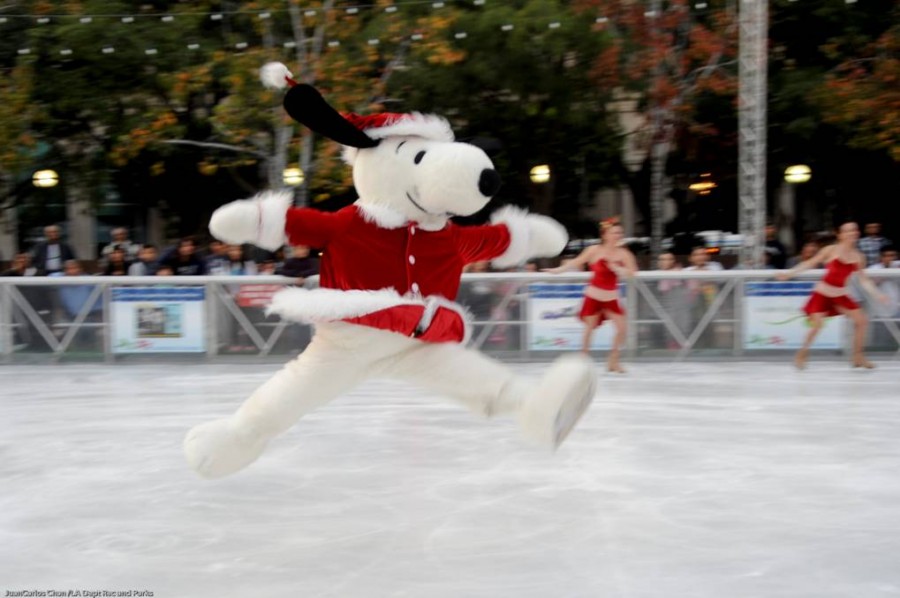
[{"x": 701, "y": 480}]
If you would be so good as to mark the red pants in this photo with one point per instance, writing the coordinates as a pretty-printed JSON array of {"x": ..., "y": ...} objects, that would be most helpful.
[
  {"x": 592, "y": 307},
  {"x": 821, "y": 304}
]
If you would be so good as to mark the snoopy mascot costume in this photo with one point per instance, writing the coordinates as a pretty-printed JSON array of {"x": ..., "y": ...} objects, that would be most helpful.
[{"x": 390, "y": 271}]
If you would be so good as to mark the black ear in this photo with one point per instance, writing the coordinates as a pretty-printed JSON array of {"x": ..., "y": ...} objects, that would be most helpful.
[{"x": 307, "y": 106}]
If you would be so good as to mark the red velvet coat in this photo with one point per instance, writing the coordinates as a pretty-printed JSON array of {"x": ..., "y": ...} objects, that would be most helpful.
[{"x": 360, "y": 255}]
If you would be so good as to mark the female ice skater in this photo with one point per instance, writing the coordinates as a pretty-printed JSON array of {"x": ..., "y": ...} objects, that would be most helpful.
[
  {"x": 831, "y": 297},
  {"x": 609, "y": 261}
]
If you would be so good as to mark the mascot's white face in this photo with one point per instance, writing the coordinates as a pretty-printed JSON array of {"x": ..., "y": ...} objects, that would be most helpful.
[
  {"x": 408, "y": 169},
  {"x": 425, "y": 180}
]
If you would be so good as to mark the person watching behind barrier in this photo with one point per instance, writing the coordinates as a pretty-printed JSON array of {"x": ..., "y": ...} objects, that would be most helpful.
[
  {"x": 116, "y": 264},
  {"x": 51, "y": 253},
  {"x": 673, "y": 296},
  {"x": 809, "y": 249},
  {"x": 20, "y": 266},
  {"x": 146, "y": 265},
  {"x": 74, "y": 299},
  {"x": 184, "y": 261}
]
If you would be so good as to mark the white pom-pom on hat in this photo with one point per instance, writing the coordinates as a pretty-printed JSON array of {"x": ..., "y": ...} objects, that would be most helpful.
[{"x": 274, "y": 75}]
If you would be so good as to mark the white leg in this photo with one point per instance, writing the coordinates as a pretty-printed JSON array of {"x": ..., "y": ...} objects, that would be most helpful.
[
  {"x": 546, "y": 411},
  {"x": 482, "y": 384},
  {"x": 336, "y": 360}
]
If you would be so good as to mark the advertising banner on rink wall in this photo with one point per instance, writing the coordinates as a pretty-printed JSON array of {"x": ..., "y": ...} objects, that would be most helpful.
[
  {"x": 553, "y": 323},
  {"x": 774, "y": 318},
  {"x": 158, "y": 319}
]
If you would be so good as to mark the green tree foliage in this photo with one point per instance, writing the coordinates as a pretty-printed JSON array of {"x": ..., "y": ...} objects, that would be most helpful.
[
  {"x": 678, "y": 61},
  {"x": 167, "y": 107},
  {"x": 833, "y": 104},
  {"x": 519, "y": 73}
]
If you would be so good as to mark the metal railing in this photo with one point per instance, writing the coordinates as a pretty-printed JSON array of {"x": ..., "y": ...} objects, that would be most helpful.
[{"x": 672, "y": 315}]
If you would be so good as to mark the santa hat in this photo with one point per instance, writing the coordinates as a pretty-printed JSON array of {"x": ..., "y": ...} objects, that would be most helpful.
[
  {"x": 307, "y": 106},
  {"x": 392, "y": 124}
]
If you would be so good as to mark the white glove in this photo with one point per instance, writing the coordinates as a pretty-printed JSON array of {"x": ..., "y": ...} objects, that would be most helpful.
[
  {"x": 531, "y": 235},
  {"x": 259, "y": 220}
]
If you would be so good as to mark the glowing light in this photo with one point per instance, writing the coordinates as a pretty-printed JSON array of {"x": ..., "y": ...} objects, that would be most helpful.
[
  {"x": 292, "y": 177},
  {"x": 702, "y": 187},
  {"x": 798, "y": 173},
  {"x": 540, "y": 174},
  {"x": 45, "y": 179}
]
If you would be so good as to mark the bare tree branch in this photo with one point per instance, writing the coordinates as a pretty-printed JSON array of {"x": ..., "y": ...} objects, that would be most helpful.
[{"x": 221, "y": 146}]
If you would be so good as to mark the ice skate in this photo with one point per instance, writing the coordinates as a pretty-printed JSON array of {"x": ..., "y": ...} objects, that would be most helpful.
[
  {"x": 860, "y": 361},
  {"x": 800, "y": 359},
  {"x": 613, "y": 364}
]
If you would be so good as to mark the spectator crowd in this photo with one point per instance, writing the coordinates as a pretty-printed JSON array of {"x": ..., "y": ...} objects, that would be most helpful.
[
  {"x": 124, "y": 257},
  {"x": 684, "y": 300}
]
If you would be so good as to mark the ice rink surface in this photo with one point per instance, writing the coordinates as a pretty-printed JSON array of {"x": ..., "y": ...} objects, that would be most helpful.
[{"x": 718, "y": 480}]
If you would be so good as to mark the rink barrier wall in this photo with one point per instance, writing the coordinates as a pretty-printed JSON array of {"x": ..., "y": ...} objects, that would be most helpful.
[{"x": 517, "y": 316}]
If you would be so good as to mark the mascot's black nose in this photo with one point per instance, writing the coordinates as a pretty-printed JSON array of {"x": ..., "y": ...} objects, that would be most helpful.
[{"x": 489, "y": 182}]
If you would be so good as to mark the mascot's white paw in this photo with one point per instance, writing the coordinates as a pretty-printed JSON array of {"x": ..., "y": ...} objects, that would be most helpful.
[
  {"x": 217, "y": 448},
  {"x": 563, "y": 396}
]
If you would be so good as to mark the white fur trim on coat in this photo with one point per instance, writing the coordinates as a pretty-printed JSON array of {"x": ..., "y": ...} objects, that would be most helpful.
[
  {"x": 273, "y": 207},
  {"x": 329, "y": 305},
  {"x": 386, "y": 217},
  {"x": 516, "y": 221},
  {"x": 548, "y": 237},
  {"x": 531, "y": 235},
  {"x": 259, "y": 220},
  {"x": 381, "y": 216},
  {"x": 432, "y": 302}
]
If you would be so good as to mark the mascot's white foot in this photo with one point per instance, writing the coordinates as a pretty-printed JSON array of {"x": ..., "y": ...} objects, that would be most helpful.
[
  {"x": 562, "y": 397},
  {"x": 219, "y": 448}
]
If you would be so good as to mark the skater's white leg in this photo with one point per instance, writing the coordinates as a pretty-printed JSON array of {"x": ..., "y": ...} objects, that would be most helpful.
[
  {"x": 482, "y": 384},
  {"x": 333, "y": 363},
  {"x": 547, "y": 411}
]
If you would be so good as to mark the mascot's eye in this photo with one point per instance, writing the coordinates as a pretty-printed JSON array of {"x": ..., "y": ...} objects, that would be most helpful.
[{"x": 419, "y": 157}]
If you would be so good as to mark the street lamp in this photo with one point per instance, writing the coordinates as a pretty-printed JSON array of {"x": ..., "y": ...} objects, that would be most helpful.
[
  {"x": 798, "y": 173},
  {"x": 787, "y": 199},
  {"x": 705, "y": 185},
  {"x": 45, "y": 179},
  {"x": 292, "y": 177},
  {"x": 540, "y": 174}
]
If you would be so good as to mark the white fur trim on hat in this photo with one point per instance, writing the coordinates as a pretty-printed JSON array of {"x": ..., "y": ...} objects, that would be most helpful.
[
  {"x": 274, "y": 75},
  {"x": 429, "y": 126}
]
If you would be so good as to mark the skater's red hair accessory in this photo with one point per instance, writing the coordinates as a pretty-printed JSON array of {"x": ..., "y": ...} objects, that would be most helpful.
[{"x": 608, "y": 223}]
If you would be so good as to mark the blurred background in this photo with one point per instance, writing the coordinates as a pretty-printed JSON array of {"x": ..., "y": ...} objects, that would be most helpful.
[{"x": 150, "y": 115}]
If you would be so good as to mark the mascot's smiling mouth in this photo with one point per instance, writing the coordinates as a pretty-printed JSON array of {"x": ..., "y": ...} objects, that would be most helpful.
[{"x": 413, "y": 202}]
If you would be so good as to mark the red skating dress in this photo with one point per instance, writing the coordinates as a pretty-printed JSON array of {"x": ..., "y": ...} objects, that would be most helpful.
[
  {"x": 605, "y": 280},
  {"x": 836, "y": 275}
]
